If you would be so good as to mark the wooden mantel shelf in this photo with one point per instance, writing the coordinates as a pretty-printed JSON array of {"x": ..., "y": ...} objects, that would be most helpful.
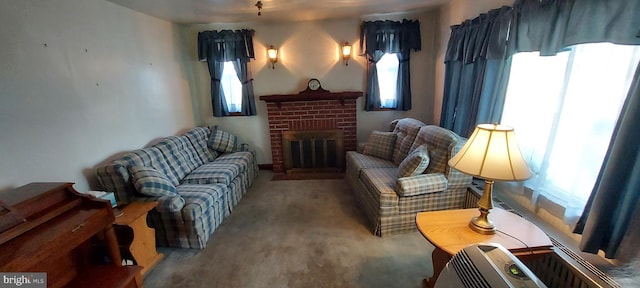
[{"x": 308, "y": 95}]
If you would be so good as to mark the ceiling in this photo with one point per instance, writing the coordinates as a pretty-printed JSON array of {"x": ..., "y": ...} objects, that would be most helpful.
[{"x": 232, "y": 11}]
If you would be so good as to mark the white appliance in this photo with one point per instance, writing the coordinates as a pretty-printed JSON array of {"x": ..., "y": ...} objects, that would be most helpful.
[{"x": 485, "y": 266}]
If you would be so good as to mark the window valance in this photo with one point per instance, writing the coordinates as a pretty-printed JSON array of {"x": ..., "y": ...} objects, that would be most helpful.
[
  {"x": 389, "y": 37},
  {"x": 226, "y": 45},
  {"x": 549, "y": 26},
  {"x": 481, "y": 37}
]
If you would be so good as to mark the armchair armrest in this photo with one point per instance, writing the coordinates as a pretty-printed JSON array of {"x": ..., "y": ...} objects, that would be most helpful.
[{"x": 421, "y": 184}]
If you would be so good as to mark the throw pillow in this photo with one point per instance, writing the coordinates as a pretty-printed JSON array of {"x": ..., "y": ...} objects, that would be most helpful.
[
  {"x": 380, "y": 144},
  {"x": 152, "y": 182},
  {"x": 415, "y": 163},
  {"x": 222, "y": 141}
]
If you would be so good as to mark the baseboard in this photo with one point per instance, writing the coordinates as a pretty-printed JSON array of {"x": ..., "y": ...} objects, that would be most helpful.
[{"x": 265, "y": 166}]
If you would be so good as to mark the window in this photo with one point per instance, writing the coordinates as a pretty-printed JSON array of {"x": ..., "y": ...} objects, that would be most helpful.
[
  {"x": 564, "y": 109},
  {"x": 387, "y": 68},
  {"x": 232, "y": 88}
]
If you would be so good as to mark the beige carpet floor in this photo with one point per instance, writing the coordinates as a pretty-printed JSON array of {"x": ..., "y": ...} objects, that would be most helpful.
[{"x": 296, "y": 233}]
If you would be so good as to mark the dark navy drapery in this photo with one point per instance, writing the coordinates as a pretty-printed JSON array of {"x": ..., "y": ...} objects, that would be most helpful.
[
  {"x": 476, "y": 72},
  {"x": 550, "y": 26},
  {"x": 217, "y": 47},
  {"x": 380, "y": 37}
]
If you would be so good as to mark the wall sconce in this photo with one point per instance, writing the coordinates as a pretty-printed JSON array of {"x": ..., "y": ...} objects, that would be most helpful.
[
  {"x": 272, "y": 53},
  {"x": 345, "y": 52}
]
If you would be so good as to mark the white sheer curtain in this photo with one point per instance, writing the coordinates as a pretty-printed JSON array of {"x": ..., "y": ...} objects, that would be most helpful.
[
  {"x": 388, "y": 79},
  {"x": 564, "y": 109},
  {"x": 232, "y": 87}
]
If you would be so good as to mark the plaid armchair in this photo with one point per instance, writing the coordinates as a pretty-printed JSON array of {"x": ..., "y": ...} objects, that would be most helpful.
[{"x": 414, "y": 178}]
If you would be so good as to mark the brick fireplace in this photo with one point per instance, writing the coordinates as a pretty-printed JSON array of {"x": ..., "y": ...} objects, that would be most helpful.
[{"x": 310, "y": 111}]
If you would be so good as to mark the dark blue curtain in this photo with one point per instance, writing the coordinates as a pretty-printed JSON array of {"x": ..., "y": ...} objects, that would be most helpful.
[
  {"x": 217, "y": 47},
  {"x": 615, "y": 196},
  {"x": 549, "y": 26},
  {"x": 380, "y": 37},
  {"x": 476, "y": 72}
]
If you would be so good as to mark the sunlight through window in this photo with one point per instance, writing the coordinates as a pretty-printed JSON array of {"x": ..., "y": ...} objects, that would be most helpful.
[
  {"x": 232, "y": 87},
  {"x": 387, "y": 69},
  {"x": 564, "y": 109}
]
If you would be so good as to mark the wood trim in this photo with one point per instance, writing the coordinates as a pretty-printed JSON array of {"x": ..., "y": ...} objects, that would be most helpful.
[{"x": 309, "y": 95}]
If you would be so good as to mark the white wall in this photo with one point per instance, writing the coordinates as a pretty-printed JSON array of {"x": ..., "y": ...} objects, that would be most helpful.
[
  {"x": 81, "y": 81},
  {"x": 310, "y": 50},
  {"x": 452, "y": 13}
]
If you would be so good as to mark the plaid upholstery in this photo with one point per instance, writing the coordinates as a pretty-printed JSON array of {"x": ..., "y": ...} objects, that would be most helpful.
[
  {"x": 415, "y": 163},
  {"x": 360, "y": 161},
  {"x": 165, "y": 203},
  {"x": 380, "y": 144},
  {"x": 213, "y": 172},
  {"x": 242, "y": 158},
  {"x": 451, "y": 199},
  {"x": 222, "y": 141},
  {"x": 173, "y": 150},
  {"x": 406, "y": 130},
  {"x": 391, "y": 203},
  {"x": 381, "y": 180},
  {"x": 115, "y": 177},
  {"x": 198, "y": 137},
  {"x": 421, "y": 184},
  {"x": 455, "y": 178},
  {"x": 440, "y": 142},
  {"x": 199, "y": 198},
  {"x": 151, "y": 182},
  {"x": 189, "y": 219},
  {"x": 204, "y": 211}
]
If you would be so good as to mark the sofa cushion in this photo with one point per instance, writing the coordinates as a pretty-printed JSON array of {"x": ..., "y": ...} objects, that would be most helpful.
[
  {"x": 421, "y": 184},
  {"x": 243, "y": 158},
  {"x": 222, "y": 141},
  {"x": 406, "y": 130},
  {"x": 214, "y": 172},
  {"x": 150, "y": 157},
  {"x": 440, "y": 143},
  {"x": 380, "y": 144},
  {"x": 198, "y": 137},
  {"x": 151, "y": 182},
  {"x": 360, "y": 161},
  {"x": 415, "y": 163}
]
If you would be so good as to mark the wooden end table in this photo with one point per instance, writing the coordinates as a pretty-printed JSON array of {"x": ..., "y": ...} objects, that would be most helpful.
[
  {"x": 140, "y": 239},
  {"x": 449, "y": 232}
]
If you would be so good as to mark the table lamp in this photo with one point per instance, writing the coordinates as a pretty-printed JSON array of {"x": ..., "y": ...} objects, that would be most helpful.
[{"x": 491, "y": 153}]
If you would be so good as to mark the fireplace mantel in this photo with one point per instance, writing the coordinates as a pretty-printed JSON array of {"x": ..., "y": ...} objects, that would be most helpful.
[{"x": 308, "y": 95}]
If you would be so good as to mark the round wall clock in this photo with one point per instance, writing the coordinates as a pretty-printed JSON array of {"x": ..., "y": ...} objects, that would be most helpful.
[{"x": 314, "y": 84}]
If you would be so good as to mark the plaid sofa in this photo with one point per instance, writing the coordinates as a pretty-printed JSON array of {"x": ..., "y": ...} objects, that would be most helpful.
[
  {"x": 391, "y": 203},
  {"x": 208, "y": 185}
]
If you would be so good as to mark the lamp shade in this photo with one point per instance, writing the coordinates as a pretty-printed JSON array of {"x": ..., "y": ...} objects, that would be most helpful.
[{"x": 492, "y": 153}]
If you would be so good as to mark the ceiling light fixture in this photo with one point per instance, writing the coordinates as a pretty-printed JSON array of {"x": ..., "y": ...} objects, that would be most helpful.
[{"x": 259, "y": 5}]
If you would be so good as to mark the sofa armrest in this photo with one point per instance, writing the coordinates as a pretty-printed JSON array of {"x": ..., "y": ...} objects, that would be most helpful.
[
  {"x": 244, "y": 147},
  {"x": 421, "y": 184},
  {"x": 361, "y": 147},
  {"x": 169, "y": 204}
]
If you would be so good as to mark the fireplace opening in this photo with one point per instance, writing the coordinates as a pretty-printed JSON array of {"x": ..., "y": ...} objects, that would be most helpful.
[{"x": 313, "y": 151}]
